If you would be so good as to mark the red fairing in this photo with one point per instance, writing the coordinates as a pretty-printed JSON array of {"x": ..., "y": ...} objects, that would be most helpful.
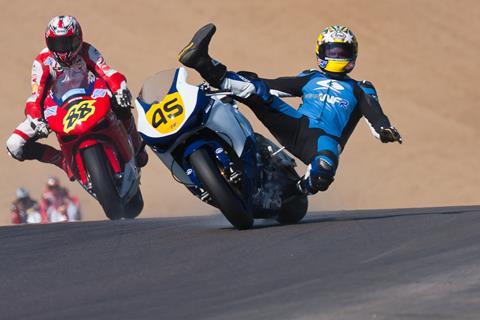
[
  {"x": 86, "y": 119},
  {"x": 46, "y": 68}
]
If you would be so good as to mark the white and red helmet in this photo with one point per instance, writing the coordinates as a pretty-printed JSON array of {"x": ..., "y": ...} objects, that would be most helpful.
[{"x": 64, "y": 38}]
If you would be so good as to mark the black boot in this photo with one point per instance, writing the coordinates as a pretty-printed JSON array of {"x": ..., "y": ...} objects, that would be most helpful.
[
  {"x": 195, "y": 55},
  {"x": 141, "y": 155}
]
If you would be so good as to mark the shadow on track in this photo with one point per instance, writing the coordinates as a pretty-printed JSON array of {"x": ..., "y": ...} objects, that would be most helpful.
[{"x": 360, "y": 215}]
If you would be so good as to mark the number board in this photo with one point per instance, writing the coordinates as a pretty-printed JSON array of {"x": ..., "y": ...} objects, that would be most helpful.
[
  {"x": 167, "y": 115},
  {"x": 78, "y": 113}
]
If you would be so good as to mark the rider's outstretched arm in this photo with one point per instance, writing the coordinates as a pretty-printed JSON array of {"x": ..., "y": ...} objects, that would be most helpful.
[
  {"x": 370, "y": 107},
  {"x": 288, "y": 86}
]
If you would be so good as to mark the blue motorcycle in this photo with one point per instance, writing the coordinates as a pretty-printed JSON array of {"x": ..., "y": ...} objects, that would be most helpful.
[{"x": 211, "y": 148}]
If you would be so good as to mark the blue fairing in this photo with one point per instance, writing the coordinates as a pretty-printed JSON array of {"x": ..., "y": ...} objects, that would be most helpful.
[
  {"x": 194, "y": 146},
  {"x": 249, "y": 160},
  {"x": 195, "y": 120}
]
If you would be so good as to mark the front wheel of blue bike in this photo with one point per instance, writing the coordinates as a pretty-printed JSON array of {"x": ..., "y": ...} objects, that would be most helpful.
[{"x": 224, "y": 197}]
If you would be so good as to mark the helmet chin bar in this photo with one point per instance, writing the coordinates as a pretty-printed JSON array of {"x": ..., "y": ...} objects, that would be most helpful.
[
  {"x": 69, "y": 57},
  {"x": 350, "y": 66},
  {"x": 324, "y": 66},
  {"x": 64, "y": 59}
]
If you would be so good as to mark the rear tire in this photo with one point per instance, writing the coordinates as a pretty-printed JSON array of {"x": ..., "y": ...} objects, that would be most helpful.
[
  {"x": 229, "y": 203},
  {"x": 293, "y": 210},
  {"x": 103, "y": 181}
]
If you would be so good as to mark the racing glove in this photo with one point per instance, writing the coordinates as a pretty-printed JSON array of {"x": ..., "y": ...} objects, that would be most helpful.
[
  {"x": 390, "y": 135},
  {"x": 40, "y": 127},
  {"x": 123, "y": 98}
]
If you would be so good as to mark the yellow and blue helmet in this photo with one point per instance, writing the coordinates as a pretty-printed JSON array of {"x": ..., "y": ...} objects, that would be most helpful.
[{"x": 336, "y": 49}]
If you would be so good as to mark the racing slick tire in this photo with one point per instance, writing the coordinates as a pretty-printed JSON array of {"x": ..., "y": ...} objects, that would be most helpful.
[
  {"x": 103, "y": 181},
  {"x": 224, "y": 197}
]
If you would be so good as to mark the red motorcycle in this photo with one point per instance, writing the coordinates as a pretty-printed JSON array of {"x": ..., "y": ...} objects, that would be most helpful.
[{"x": 95, "y": 143}]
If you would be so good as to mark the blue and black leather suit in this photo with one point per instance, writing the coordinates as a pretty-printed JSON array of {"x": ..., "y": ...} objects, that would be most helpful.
[{"x": 318, "y": 130}]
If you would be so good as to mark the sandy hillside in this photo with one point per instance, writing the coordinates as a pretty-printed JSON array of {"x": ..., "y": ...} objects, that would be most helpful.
[{"x": 421, "y": 55}]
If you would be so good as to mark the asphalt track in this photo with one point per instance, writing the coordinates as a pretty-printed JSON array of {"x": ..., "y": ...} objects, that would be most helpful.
[{"x": 383, "y": 264}]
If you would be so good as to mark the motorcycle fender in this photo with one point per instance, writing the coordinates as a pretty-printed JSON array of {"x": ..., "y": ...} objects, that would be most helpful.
[
  {"x": 109, "y": 152},
  {"x": 79, "y": 161},
  {"x": 87, "y": 143},
  {"x": 112, "y": 158},
  {"x": 81, "y": 168},
  {"x": 197, "y": 145}
]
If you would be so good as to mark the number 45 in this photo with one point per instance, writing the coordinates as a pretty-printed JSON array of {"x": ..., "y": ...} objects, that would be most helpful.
[{"x": 166, "y": 112}]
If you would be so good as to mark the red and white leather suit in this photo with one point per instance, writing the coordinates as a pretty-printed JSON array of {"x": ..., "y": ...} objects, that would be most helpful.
[{"x": 21, "y": 144}]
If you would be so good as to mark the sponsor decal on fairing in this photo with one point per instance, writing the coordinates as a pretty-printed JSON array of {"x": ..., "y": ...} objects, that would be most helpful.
[
  {"x": 99, "y": 93},
  {"x": 50, "y": 111}
]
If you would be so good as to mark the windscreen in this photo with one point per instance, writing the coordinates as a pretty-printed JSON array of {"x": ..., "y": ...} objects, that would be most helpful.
[
  {"x": 156, "y": 87},
  {"x": 71, "y": 82}
]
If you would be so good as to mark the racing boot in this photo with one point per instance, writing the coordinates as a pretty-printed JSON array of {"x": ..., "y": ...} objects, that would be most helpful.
[
  {"x": 141, "y": 155},
  {"x": 195, "y": 55}
]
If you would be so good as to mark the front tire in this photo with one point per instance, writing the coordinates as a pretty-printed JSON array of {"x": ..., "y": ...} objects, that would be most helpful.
[
  {"x": 230, "y": 204},
  {"x": 134, "y": 206},
  {"x": 103, "y": 181}
]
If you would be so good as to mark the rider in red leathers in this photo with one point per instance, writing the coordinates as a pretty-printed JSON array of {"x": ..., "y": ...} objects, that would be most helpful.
[
  {"x": 65, "y": 52},
  {"x": 56, "y": 201}
]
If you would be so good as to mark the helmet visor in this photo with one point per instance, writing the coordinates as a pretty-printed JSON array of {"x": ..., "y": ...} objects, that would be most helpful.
[
  {"x": 336, "y": 50},
  {"x": 64, "y": 44}
]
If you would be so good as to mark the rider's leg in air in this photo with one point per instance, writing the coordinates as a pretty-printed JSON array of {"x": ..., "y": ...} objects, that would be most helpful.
[
  {"x": 22, "y": 145},
  {"x": 288, "y": 126}
]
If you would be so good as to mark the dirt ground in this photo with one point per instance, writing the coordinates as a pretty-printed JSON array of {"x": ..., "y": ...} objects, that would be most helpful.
[{"x": 422, "y": 56}]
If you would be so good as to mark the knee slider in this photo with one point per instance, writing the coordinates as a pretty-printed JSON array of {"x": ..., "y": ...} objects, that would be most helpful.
[
  {"x": 321, "y": 175},
  {"x": 323, "y": 179}
]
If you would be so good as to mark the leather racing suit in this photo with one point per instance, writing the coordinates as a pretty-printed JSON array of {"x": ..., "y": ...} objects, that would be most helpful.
[
  {"x": 319, "y": 129},
  {"x": 22, "y": 144}
]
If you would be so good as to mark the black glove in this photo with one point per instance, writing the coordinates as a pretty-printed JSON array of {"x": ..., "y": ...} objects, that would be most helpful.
[
  {"x": 123, "y": 98},
  {"x": 390, "y": 135}
]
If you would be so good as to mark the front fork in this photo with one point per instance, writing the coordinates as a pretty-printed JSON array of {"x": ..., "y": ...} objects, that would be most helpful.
[{"x": 229, "y": 171}]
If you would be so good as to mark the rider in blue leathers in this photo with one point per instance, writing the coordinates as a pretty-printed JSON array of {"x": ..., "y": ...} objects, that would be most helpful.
[{"x": 333, "y": 103}]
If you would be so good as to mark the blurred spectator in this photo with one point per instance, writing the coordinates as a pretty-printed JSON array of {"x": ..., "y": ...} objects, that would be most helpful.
[
  {"x": 57, "y": 205},
  {"x": 24, "y": 209}
]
